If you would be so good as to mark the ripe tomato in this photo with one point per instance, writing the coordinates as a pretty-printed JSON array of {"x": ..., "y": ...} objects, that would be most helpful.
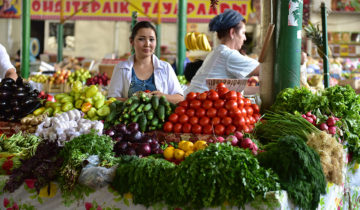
[
  {"x": 186, "y": 128},
  {"x": 220, "y": 85},
  {"x": 252, "y": 120},
  {"x": 243, "y": 111},
  {"x": 251, "y": 128},
  {"x": 239, "y": 95},
  {"x": 215, "y": 121},
  {"x": 219, "y": 129},
  {"x": 211, "y": 112},
  {"x": 195, "y": 104},
  {"x": 180, "y": 110},
  {"x": 235, "y": 112},
  {"x": 183, "y": 119},
  {"x": 190, "y": 112},
  {"x": 174, "y": 117},
  {"x": 202, "y": 96},
  {"x": 196, "y": 128},
  {"x": 246, "y": 129},
  {"x": 249, "y": 111},
  {"x": 230, "y": 129},
  {"x": 247, "y": 102},
  {"x": 207, "y": 104},
  {"x": 247, "y": 121},
  {"x": 190, "y": 96},
  {"x": 231, "y": 104},
  {"x": 207, "y": 129},
  {"x": 255, "y": 108},
  {"x": 222, "y": 112},
  {"x": 193, "y": 120},
  {"x": 183, "y": 104},
  {"x": 240, "y": 102},
  {"x": 177, "y": 128},
  {"x": 239, "y": 121},
  {"x": 226, "y": 121},
  {"x": 257, "y": 117},
  {"x": 231, "y": 95},
  {"x": 204, "y": 121},
  {"x": 168, "y": 127},
  {"x": 222, "y": 92},
  {"x": 212, "y": 95},
  {"x": 219, "y": 103},
  {"x": 200, "y": 112}
]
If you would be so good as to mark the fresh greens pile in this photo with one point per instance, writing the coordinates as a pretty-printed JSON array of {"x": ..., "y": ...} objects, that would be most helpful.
[
  {"x": 77, "y": 150},
  {"x": 146, "y": 178},
  {"x": 20, "y": 144},
  {"x": 277, "y": 125},
  {"x": 299, "y": 170},
  {"x": 206, "y": 178},
  {"x": 339, "y": 101}
]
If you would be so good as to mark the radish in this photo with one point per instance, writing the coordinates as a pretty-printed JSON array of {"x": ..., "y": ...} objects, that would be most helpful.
[
  {"x": 254, "y": 152},
  {"x": 314, "y": 117},
  {"x": 239, "y": 135},
  {"x": 332, "y": 130},
  {"x": 246, "y": 143},
  {"x": 234, "y": 142},
  {"x": 324, "y": 127},
  {"x": 220, "y": 139},
  {"x": 255, "y": 147},
  {"x": 310, "y": 120},
  {"x": 303, "y": 116},
  {"x": 308, "y": 114},
  {"x": 337, "y": 119},
  {"x": 331, "y": 121},
  {"x": 230, "y": 138}
]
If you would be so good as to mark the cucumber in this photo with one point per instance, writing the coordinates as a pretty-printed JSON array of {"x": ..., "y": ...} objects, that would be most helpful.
[
  {"x": 147, "y": 100},
  {"x": 152, "y": 128},
  {"x": 136, "y": 118},
  {"x": 126, "y": 116},
  {"x": 155, "y": 121},
  {"x": 168, "y": 111},
  {"x": 147, "y": 107},
  {"x": 150, "y": 114},
  {"x": 133, "y": 114},
  {"x": 161, "y": 113},
  {"x": 140, "y": 108},
  {"x": 134, "y": 106},
  {"x": 162, "y": 100},
  {"x": 131, "y": 100},
  {"x": 155, "y": 102},
  {"x": 142, "y": 96},
  {"x": 142, "y": 121}
]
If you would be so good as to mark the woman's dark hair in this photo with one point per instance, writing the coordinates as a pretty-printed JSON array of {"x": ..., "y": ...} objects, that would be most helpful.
[
  {"x": 224, "y": 33},
  {"x": 140, "y": 25},
  {"x": 191, "y": 69}
]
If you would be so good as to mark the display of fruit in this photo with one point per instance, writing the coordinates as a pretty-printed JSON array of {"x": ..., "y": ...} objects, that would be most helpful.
[
  {"x": 197, "y": 41},
  {"x": 46, "y": 96},
  {"x": 88, "y": 99},
  {"x": 39, "y": 78},
  {"x": 150, "y": 113},
  {"x": 131, "y": 141},
  {"x": 217, "y": 111},
  {"x": 182, "y": 79},
  {"x": 100, "y": 79},
  {"x": 79, "y": 75},
  {"x": 17, "y": 99},
  {"x": 183, "y": 150},
  {"x": 60, "y": 76}
]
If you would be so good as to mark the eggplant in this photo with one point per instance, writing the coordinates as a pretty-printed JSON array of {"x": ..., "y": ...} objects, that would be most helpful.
[
  {"x": 34, "y": 95},
  {"x": 5, "y": 94},
  {"x": 19, "y": 81},
  {"x": 8, "y": 110},
  {"x": 20, "y": 94},
  {"x": 17, "y": 109},
  {"x": 28, "y": 101},
  {"x": 2, "y": 117},
  {"x": 3, "y": 105},
  {"x": 21, "y": 89},
  {"x": 27, "y": 87},
  {"x": 5, "y": 86},
  {"x": 14, "y": 103},
  {"x": 8, "y": 81}
]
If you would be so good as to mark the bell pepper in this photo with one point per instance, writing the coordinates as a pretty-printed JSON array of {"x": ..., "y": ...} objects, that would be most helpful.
[
  {"x": 99, "y": 103},
  {"x": 86, "y": 107},
  {"x": 91, "y": 91},
  {"x": 39, "y": 111},
  {"x": 78, "y": 103},
  {"x": 91, "y": 113},
  {"x": 103, "y": 111},
  {"x": 67, "y": 106}
]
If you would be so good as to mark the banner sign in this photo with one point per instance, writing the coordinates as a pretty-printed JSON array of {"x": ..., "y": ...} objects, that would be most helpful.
[{"x": 120, "y": 10}]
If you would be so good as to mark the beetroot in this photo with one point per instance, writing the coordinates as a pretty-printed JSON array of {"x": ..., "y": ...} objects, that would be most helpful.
[
  {"x": 234, "y": 142},
  {"x": 323, "y": 127},
  {"x": 239, "y": 135},
  {"x": 220, "y": 139},
  {"x": 332, "y": 130},
  {"x": 331, "y": 121},
  {"x": 246, "y": 143}
]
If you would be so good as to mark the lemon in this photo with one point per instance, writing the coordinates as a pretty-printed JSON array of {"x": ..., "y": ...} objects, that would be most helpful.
[
  {"x": 179, "y": 154},
  {"x": 169, "y": 153},
  {"x": 181, "y": 144},
  {"x": 188, "y": 153},
  {"x": 200, "y": 145},
  {"x": 188, "y": 146}
]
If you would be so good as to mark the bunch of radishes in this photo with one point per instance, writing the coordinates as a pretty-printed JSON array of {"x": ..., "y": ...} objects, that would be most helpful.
[
  {"x": 329, "y": 126},
  {"x": 101, "y": 79},
  {"x": 237, "y": 140}
]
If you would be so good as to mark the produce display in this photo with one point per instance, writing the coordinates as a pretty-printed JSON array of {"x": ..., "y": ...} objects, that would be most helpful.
[
  {"x": 79, "y": 75},
  {"x": 30, "y": 122},
  {"x": 217, "y": 111},
  {"x": 39, "y": 78},
  {"x": 149, "y": 113},
  {"x": 17, "y": 99},
  {"x": 60, "y": 76},
  {"x": 100, "y": 79},
  {"x": 20, "y": 145}
]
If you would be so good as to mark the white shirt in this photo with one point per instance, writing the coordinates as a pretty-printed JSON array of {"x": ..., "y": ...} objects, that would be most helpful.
[
  {"x": 165, "y": 78},
  {"x": 221, "y": 63},
  {"x": 5, "y": 63}
]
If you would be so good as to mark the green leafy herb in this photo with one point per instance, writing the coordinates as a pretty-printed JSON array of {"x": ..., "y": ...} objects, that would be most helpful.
[{"x": 299, "y": 170}]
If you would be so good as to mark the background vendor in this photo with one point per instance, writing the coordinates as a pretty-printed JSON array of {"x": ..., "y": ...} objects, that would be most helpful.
[
  {"x": 225, "y": 61},
  {"x": 6, "y": 68}
]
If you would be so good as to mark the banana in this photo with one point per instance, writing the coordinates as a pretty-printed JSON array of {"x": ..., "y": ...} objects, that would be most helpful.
[
  {"x": 186, "y": 42},
  {"x": 206, "y": 43},
  {"x": 193, "y": 41},
  {"x": 199, "y": 42}
]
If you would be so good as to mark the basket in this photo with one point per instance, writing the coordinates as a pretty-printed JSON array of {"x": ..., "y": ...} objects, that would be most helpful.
[{"x": 237, "y": 85}]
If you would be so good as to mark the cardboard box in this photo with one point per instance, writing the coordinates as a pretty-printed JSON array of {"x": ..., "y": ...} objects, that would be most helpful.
[{"x": 354, "y": 83}]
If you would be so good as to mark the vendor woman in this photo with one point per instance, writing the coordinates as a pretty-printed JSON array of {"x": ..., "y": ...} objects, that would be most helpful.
[
  {"x": 225, "y": 61},
  {"x": 143, "y": 70},
  {"x": 6, "y": 68}
]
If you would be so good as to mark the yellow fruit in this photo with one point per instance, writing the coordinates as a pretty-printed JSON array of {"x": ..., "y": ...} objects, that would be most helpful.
[
  {"x": 200, "y": 145},
  {"x": 169, "y": 153},
  {"x": 179, "y": 154},
  {"x": 188, "y": 146},
  {"x": 181, "y": 143},
  {"x": 48, "y": 193},
  {"x": 188, "y": 153}
]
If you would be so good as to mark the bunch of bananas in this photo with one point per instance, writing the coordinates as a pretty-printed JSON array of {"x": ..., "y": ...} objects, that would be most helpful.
[{"x": 197, "y": 41}]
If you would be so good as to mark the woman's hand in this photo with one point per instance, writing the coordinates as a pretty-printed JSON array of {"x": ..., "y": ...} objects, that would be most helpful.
[
  {"x": 175, "y": 98},
  {"x": 157, "y": 93}
]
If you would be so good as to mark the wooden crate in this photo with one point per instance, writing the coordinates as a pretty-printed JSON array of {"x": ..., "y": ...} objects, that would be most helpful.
[
  {"x": 106, "y": 68},
  {"x": 56, "y": 88},
  {"x": 9, "y": 128}
]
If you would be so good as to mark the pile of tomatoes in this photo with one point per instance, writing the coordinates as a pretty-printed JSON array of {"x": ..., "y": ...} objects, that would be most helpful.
[{"x": 217, "y": 111}]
